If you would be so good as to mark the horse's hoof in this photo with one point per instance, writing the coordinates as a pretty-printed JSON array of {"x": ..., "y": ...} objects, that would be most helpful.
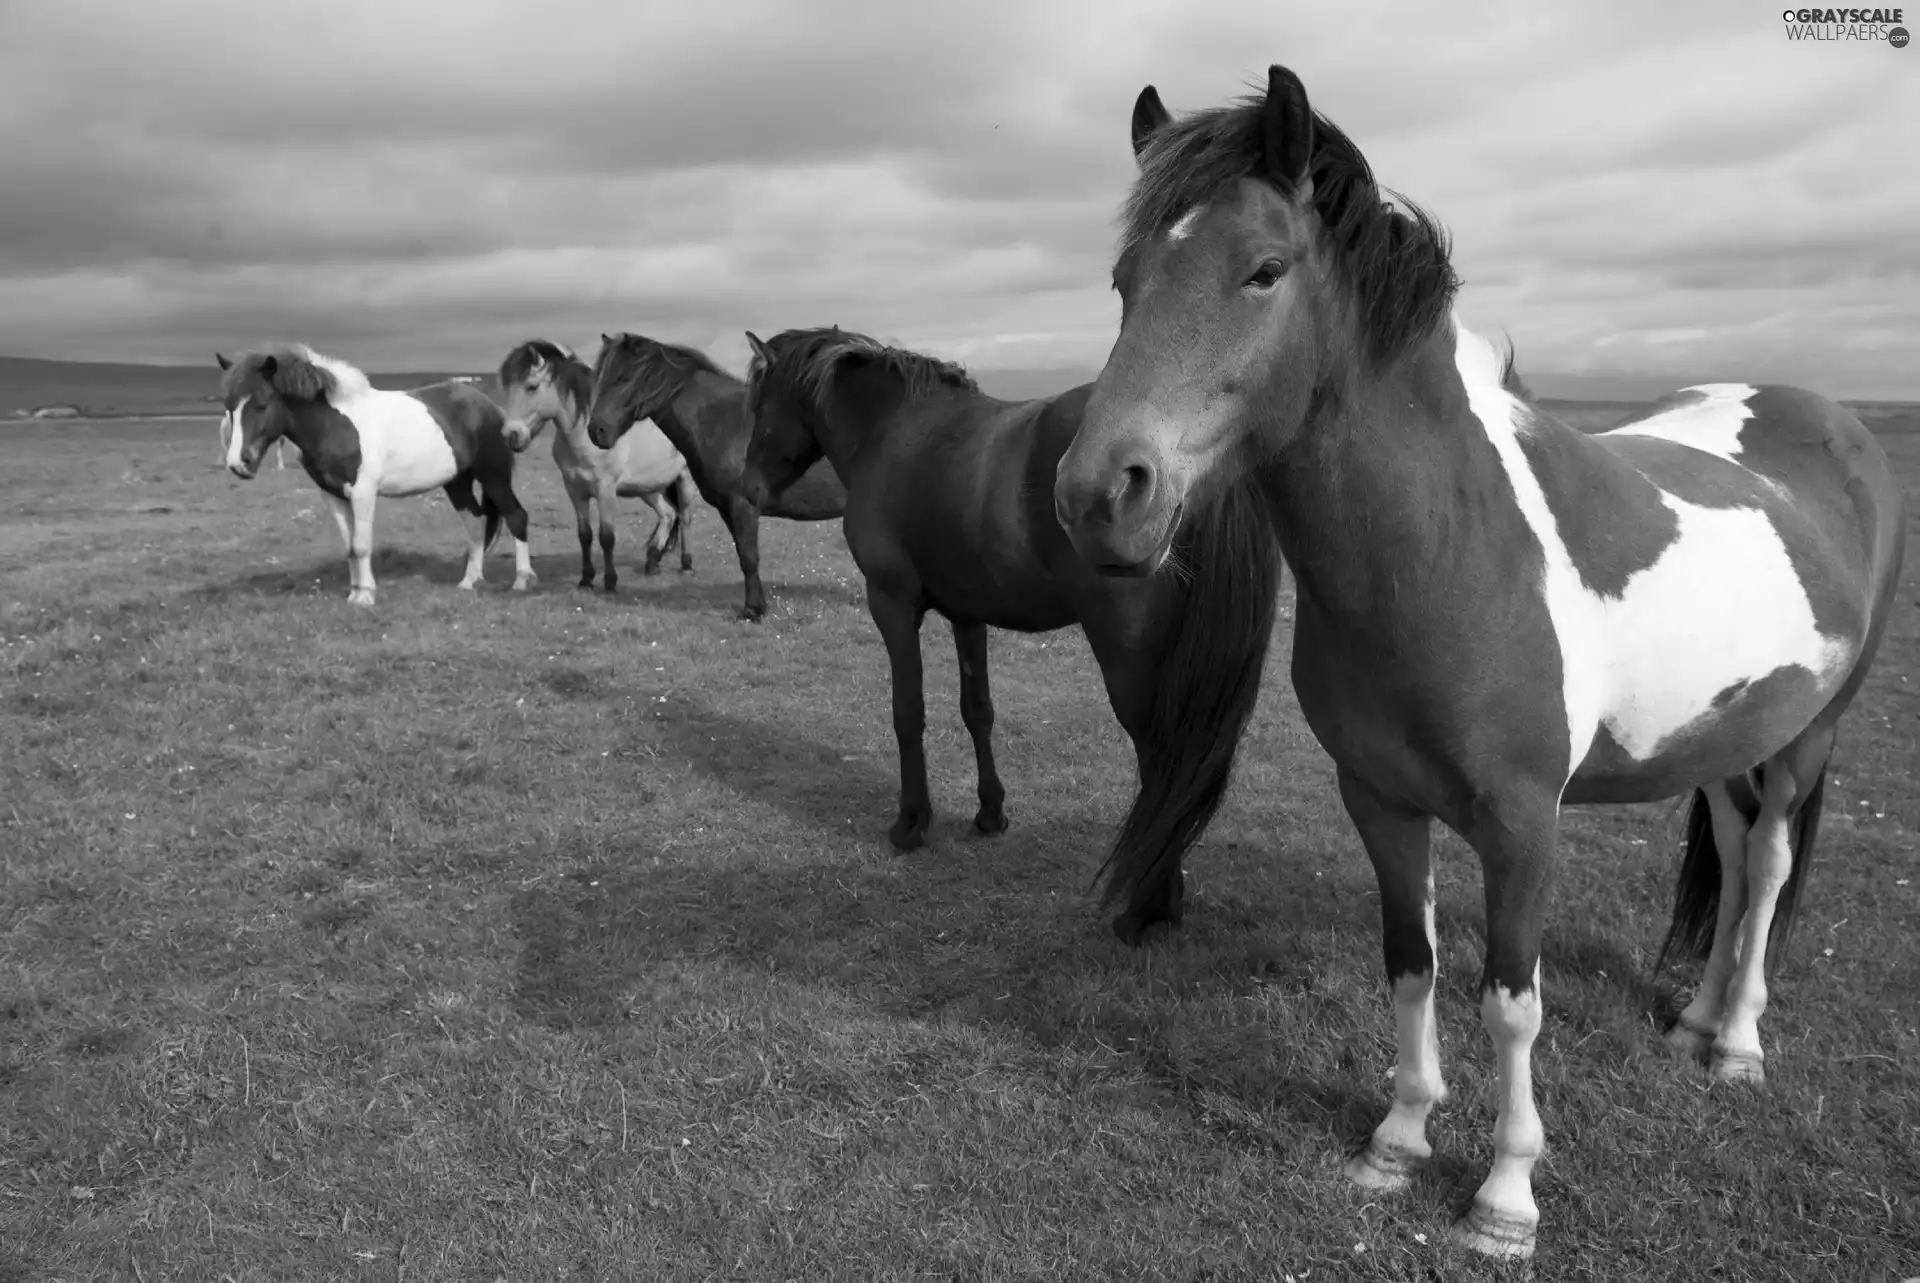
[
  {"x": 360, "y": 597},
  {"x": 651, "y": 568},
  {"x": 1493, "y": 1233},
  {"x": 751, "y": 616},
  {"x": 468, "y": 585},
  {"x": 1739, "y": 1067},
  {"x": 908, "y": 834},
  {"x": 1689, "y": 1043},
  {"x": 1132, "y": 926},
  {"x": 990, "y": 822},
  {"x": 687, "y": 569},
  {"x": 612, "y": 586},
  {"x": 1381, "y": 1170},
  {"x": 585, "y": 583},
  {"x": 522, "y": 585}
]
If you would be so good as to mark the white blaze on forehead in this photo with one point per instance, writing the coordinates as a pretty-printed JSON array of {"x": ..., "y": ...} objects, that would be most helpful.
[
  {"x": 1184, "y": 228},
  {"x": 234, "y": 441},
  {"x": 1723, "y": 603}
]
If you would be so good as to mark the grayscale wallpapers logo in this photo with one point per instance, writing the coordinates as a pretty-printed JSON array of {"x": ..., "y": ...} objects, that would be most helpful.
[{"x": 1865, "y": 25}]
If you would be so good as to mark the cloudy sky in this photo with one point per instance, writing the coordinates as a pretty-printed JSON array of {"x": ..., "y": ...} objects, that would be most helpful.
[{"x": 1649, "y": 189}]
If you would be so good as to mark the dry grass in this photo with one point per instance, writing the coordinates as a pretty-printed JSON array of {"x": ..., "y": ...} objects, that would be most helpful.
[{"x": 499, "y": 936}]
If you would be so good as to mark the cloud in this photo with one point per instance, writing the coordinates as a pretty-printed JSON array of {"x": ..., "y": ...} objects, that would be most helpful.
[{"x": 423, "y": 185}]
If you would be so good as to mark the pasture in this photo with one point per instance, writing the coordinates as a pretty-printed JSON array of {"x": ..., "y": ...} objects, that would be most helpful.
[{"x": 552, "y": 935}]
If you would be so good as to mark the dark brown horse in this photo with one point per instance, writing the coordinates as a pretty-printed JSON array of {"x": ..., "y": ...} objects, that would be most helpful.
[
  {"x": 700, "y": 408},
  {"x": 1498, "y": 615},
  {"x": 949, "y": 509}
]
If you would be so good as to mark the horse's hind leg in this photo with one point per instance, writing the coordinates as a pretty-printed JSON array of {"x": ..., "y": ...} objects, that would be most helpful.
[
  {"x": 685, "y": 496},
  {"x": 976, "y": 710},
  {"x": 605, "y": 499},
  {"x": 500, "y": 492},
  {"x": 1729, "y": 820},
  {"x": 1399, "y": 843},
  {"x": 473, "y": 523},
  {"x": 362, "y": 504},
  {"x": 662, "y": 531},
  {"x": 898, "y": 618},
  {"x": 1791, "y": 787},
  {"x": 582, "y": 499}
]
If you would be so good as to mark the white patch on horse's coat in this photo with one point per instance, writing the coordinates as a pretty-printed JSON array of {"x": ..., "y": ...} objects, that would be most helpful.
[
  {"x": 1722, "y": 605},
  {"x": 403, "y": 448},
  {"x": 1184, "y": 228},
  {"x": 1712, "y": 423}
]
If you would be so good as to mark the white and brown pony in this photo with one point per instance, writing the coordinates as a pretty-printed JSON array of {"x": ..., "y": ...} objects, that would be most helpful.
[{"x": 359, "y": 443}]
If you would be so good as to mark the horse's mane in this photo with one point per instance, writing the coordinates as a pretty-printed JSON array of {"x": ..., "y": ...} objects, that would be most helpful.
[
  {"x": 299, "y": 374},
  {"x": 1510, "y": 375},
  {"x": 660, "y": 369},
  {"x": 1395, "y": 262},
  {"x": 571, "y": 376},
  {"x": 806, "y": 362}
]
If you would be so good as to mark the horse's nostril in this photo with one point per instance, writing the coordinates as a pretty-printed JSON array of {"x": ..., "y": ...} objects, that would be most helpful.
[{"x": 1136, "y": 486}]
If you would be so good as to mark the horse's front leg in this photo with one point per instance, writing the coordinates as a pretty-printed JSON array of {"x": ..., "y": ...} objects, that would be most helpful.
[
  {"x": 898, "y": 615},
  {"x": 343, "y": 522},
  {"x": 1515, "y": 838},
  {"x": 1399, "y": 844}
]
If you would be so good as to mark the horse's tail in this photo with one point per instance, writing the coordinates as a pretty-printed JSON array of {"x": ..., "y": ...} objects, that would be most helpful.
[
  {"x": 1211, "y": 650},
  {"x": 1696, "y": 897}
]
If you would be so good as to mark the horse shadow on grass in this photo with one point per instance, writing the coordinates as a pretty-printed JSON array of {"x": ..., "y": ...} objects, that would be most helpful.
[
  {"x": 808, "y": 781},
  {"x": 1000, "y": 933},
  {"x": 328, "y": 576},
  {"x": 996, "y": 931}
]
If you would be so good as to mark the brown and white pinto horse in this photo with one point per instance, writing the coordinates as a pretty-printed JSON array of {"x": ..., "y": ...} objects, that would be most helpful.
[
  {"x": 1497, "y": 615},
  {"x": 358, "y": 443},
  {"x": 545, "y": 384}
]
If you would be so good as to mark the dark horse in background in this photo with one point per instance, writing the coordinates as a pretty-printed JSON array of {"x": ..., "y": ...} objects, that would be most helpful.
[
  {"x": 949, "y": 508},
  {"x": 701, "y": 409},
  {"x": 1498, "y": 615}
]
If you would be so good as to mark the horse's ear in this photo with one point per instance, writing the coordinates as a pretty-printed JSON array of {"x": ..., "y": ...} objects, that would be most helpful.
[
  {"x": 224, "y": 363},
  {"x": 759, "y": 348},
  {"x": 268, "y": 364},
  {"x": 1149, "y": 114},
  {"x": 605, "y": 340},
  {"x": 1286, "y": 125}
]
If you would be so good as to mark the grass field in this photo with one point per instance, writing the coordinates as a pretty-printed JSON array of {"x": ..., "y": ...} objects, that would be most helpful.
[{"x": 498, "y": 936}]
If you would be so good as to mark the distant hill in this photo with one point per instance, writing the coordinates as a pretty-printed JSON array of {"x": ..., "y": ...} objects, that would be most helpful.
[
  {"x": 99, "y": 389},
  {"x": 113, "y": 390}
]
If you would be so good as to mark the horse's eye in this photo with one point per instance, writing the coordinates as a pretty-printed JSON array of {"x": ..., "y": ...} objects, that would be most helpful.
[{"x": 1268, "y": 275}]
